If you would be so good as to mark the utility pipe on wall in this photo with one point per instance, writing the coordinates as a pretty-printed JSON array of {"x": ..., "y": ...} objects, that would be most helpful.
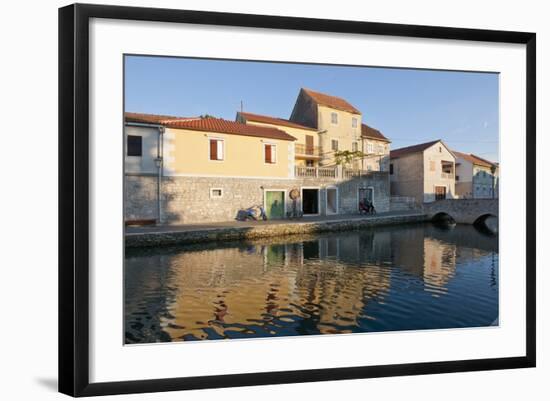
[{"x": 159, "y": 164}]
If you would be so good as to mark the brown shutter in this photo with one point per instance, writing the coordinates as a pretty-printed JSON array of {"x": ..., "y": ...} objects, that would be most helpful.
[
  {"x": 213, "y": 149},
  {"x": 268, "y": 153},
  {"x": 309, "y": 144}
]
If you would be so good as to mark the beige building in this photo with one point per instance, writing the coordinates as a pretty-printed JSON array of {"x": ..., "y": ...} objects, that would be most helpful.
[
  {"x": 425, "y": 172},
  {"x": 195, "y": 170},
  {"x": 336, "y": 120},
  {"x": 475, "y": 177},
  {"x": 376, "y": 149},
  {"x": 322, "y": 125}
]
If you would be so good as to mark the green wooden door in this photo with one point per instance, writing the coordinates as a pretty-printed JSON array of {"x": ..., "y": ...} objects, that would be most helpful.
[{"x": 274, "y": 204}]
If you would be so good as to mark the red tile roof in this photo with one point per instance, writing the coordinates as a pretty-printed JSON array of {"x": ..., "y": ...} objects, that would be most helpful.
[
  {"x": 273, "y": 120},
  {"x": 152, "y": 118},
  {"x": 229, "y": 127},
  {"x": 412, "y": 149},
  {"x": 369, "y": 132},
  {"x": 209, "y": 125},
  {"x": 474, "y": 159},
  {"x": 331, "y": 101}
]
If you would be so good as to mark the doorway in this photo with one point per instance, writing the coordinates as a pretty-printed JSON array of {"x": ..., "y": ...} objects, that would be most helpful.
[
  {"x": 275, "y": 204},
  {"x": 365, "y": 195},
  {"x": 440, "y": 193},
  {"x": 332, "y": 201},
  {"x": 310, "y": 201}
]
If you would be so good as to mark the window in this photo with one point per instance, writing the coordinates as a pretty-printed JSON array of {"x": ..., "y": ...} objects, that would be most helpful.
[
  {"x": 334, "y": 145},
  {"x": 216, "y": 149},
  {"x": 334, "y": 118},
  {"x": 370, "y": 147},
  {"x": 216, "y": 192},
  {"x": 354, "y": 147},
  {"x": 457, "y": 178},
  {"x": 134, "y": 145},
  {"x": 391, "y": 169},
  {"x": 440, "y": 149},
  {"x": 270, "y": 153},
  {"x": 354, "y": 122}
]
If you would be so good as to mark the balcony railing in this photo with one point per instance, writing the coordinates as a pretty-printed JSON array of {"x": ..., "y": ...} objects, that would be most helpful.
[
  {"x": 448, "y": 176},
  {"x": 316, "y": 172},
  {"x": 331, "y": 172},
  {"x": 303, "y": 150}
]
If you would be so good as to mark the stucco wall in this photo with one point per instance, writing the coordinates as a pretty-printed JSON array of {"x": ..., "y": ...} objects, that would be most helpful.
[
  {"x": 146, "y": 162},
  {"x": 188, "y": 199},
  {"x": 463, "y": 186},
  {"x": 379, "y": 158},
  {"x": 187, "y": 152},
  {"x": 343, "y": 132},
  {"x": 432, "y": 178},
  {"x": 300, "y": 135}
]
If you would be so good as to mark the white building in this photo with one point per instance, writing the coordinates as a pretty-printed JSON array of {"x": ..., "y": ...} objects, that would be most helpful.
[{"x": 476, "y": 178}]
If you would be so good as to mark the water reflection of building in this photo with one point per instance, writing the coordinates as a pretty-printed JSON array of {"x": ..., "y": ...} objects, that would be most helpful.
[{"x": 320, "y": 282}]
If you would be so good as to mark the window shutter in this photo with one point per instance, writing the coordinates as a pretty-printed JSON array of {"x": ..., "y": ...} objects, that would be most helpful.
[
  {"x": 267, "y": 153},
  {"x": 213, "y": 149}
]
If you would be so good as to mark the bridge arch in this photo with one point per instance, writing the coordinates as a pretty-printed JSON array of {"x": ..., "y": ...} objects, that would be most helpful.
[
  {"x": 464, "y": 211},
  {"x": 443, "y": 218},
  {"x": 487, "y": 222}
]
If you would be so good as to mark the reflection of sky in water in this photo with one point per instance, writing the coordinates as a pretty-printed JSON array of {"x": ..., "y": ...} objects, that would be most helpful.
[{"x": 394, "y": 278}]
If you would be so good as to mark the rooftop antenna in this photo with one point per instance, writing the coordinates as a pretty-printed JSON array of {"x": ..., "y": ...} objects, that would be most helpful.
[{"x": 241, "y": 106}]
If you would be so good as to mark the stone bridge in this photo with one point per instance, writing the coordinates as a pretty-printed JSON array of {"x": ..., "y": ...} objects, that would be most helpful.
[{"x": 466, "y": 211}]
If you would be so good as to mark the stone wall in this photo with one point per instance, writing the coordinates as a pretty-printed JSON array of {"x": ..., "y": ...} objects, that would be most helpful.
[
  {"x": 189, "y": 199},
  {"x": 403, "y": 203}
]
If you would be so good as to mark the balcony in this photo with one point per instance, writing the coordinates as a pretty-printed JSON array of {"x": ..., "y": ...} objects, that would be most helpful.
[
  {"x": 447, "y": 176},
  {"x": 332, "y": 173},
  {"x": 307, "y": 152},
  {"x": 316, "y": 172}
]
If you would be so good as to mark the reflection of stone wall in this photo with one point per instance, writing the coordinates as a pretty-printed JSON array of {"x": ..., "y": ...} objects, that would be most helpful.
[{"x": 188, "y": 199}]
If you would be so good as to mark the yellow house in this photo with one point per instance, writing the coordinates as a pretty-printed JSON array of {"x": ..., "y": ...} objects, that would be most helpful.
[{"x": 209, "y": 147}]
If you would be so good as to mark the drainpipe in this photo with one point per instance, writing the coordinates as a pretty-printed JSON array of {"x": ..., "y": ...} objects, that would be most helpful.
[{"x": 158, "y": 163}]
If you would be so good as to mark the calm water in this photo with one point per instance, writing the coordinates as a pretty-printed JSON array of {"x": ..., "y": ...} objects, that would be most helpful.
[{"x": 395, "y": 278}]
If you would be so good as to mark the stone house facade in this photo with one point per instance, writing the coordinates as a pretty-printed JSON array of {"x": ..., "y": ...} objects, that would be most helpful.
[
  {"x": 425, "y": 172},
  {"x": 198, "y": 170}
]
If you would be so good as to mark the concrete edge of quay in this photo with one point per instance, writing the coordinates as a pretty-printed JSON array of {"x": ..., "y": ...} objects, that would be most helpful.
[{"x": 169, "y": 238}]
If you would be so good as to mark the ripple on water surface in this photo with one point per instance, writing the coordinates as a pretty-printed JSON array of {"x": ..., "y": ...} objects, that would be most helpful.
[{"x": 395, "y": 278}]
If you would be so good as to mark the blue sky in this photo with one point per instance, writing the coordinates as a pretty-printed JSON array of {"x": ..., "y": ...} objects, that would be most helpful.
[{"x": 408, "y": 106}]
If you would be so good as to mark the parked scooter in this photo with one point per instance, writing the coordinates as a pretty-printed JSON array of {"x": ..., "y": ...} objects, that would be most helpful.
[{"x": 252, "y": 213}]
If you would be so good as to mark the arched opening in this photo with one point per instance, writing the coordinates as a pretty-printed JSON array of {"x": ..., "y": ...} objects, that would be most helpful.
[
  {"x": 443, "y": 220},
  {"x": 487, "y": 223}
]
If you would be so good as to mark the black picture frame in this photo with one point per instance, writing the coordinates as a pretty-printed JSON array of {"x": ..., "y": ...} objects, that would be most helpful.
[{"x": 74, "y": 198}]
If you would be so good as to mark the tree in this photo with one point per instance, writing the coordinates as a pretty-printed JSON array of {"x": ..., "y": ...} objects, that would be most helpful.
[{"x": 346, "y": 157}]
